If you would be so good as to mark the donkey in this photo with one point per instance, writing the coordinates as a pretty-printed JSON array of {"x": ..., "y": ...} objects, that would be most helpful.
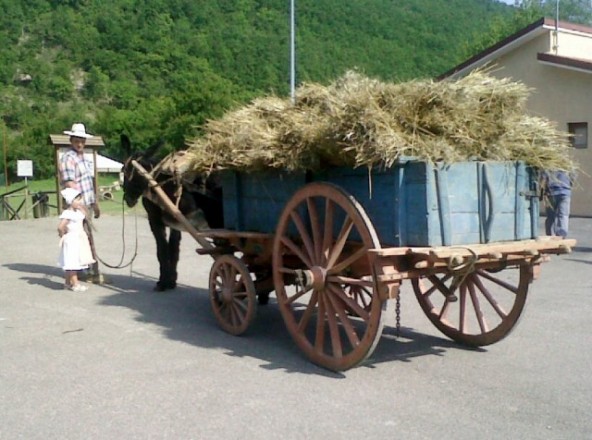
[{"x": 200, "y": 202}]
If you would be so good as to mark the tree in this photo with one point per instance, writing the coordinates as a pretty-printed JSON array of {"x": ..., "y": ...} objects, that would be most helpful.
[
  {"x": 161, "y": 68},
  {"x": 527, "y": 12},
  {"x": 574, "y": 11},
  {"x": 96, "y": 85}
]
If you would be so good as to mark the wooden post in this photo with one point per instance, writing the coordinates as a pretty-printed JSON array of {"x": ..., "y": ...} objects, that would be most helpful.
[
  {"x": 57, "y": 181},
  {"x": 6, "y": 181},
  {"x": 26, "y": 197},
  {"x": 95, "y": 175},
  {"x": 171, "y": 208}
]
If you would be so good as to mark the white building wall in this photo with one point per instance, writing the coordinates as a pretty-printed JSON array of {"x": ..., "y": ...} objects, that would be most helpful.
[
  {"x": 572, "y": 45},
  {"x": 560, "y": 95}
]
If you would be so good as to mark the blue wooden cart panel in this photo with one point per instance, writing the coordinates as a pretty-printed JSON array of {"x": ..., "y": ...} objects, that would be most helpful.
[
  {"x": 254, "y": 201},
  {"x": 411, "y": 204}
]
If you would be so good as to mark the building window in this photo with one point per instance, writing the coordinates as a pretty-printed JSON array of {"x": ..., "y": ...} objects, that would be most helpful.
[{"x": 579, "y": 132}]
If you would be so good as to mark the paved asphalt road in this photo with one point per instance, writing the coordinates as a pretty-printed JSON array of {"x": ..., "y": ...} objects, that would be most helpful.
[{"x": 123, "y": 362}]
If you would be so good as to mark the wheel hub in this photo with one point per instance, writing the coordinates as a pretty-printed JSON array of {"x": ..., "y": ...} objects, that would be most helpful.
[
  {"x": 318, "y": 276},
  {"x": 226, "y": 295}
]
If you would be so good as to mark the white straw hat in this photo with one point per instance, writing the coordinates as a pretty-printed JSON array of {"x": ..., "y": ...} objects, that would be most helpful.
[
  {"x": 79, "y": 131},
  {"x": 69, "y": 194}
]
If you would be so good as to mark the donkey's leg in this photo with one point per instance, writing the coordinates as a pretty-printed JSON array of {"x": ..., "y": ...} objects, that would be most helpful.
[
  {"x": 158, "y": 229},
  {"x": 174, "y": 246},
  {"x": 162, "y": 253}
]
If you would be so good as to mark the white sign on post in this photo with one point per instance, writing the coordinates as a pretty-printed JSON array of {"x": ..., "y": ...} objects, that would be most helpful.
[{"x": 24, "y": 168}]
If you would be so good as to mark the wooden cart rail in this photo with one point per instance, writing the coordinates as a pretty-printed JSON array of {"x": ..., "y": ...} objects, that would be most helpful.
[
  {"x": 228, "y": 234},
  {"x": 392, "y": 265},
  {"x": 549, "y": 245},
  {"x": 411, "y": 262}
]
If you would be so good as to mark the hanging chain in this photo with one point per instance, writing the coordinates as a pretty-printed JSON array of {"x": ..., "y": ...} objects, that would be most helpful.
[{"x": 398, "y": 316}]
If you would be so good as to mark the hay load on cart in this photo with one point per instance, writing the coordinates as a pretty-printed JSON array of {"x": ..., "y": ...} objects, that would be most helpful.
[
  {"x": 333, "y": 200},
  {"x": 361, "y": 122}
]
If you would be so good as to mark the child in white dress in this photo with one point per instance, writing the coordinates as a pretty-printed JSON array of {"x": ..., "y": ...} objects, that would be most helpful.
[{"x": 75, "y": 252}]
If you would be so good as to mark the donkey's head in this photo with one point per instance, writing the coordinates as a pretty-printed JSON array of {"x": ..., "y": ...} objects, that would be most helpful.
[{"x": 134, "y": 184}]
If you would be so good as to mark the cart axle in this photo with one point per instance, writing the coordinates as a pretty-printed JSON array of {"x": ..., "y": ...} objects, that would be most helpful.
[{"x": 315, "y": 277}]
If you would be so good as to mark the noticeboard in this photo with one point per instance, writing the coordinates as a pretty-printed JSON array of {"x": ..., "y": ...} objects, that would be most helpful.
[{"x": 24, "y": 168}]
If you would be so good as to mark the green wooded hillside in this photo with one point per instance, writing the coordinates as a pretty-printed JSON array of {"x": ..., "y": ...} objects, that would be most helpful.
[{"x": 160, "y": 68}]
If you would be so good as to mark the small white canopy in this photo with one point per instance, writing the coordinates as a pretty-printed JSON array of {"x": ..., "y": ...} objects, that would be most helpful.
[{"x": 104, "y": 164}]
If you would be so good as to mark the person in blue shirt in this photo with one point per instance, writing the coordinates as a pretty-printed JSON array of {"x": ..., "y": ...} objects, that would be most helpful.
[{"x": 556, "y": 187}]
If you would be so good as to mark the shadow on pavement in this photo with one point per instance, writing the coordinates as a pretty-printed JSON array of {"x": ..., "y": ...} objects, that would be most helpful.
[
  {"x": 410, "y": 344},
  {"x": 579, "y": 261},
  {"x": 46, "y": 278},
  {"x": 185, "y": 315},
  {"x": 582, "y": 249}
]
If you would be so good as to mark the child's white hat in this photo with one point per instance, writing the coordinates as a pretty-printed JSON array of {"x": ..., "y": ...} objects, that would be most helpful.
[{"x": 69, "y": 194}]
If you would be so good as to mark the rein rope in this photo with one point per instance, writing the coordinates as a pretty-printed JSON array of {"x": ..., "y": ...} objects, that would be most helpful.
[{"x": 120, "y": 265}]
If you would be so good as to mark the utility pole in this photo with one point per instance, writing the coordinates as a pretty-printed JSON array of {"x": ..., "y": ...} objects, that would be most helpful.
[
  {"x": 292, "y": 54},
  {"x": 556, "y": 33}
]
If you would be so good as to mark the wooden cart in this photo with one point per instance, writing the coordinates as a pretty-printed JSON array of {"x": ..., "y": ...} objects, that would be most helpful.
[{"x": 335, "y": 247}]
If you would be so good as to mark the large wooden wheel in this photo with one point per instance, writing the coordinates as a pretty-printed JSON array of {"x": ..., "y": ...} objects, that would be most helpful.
[
  {"x": 475, "y": 308},
  {"x": 323, "y": 279},
  {"x": 232, "y": 294}
]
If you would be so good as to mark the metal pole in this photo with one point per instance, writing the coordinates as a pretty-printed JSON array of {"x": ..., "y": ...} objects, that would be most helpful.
[
  {"x": 556, "y": 46},
  {"x": 292, "y": 54},
  {"x": 26, "y": 197}
]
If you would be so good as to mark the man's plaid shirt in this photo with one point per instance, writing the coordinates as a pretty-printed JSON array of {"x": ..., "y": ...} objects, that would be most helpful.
[{"x": 74, "y": 168}]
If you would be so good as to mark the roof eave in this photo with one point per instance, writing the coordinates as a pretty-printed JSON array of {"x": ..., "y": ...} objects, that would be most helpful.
[
  {"x": 498, "y": 49},
  {"x": 488, "y": 56},
  {"x": 573, "y": 64}
]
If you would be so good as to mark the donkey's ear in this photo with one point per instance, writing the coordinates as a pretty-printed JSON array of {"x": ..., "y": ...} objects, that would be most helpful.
[
  {"x": 126, "y": 144},
  {"x": 153, "y": 148}
]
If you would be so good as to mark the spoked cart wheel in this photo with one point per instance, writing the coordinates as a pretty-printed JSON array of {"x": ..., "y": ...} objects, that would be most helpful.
[
  {"x": 477, "y": 308},
  {"x": 232, "y": 294},
  {"x": 323, "y": 279}
]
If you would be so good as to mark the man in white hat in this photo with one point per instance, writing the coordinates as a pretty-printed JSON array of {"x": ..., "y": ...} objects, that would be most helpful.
[{"x": 77, "y": 173}]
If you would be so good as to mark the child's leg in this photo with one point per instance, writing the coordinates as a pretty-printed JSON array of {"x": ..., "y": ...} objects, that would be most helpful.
[
  {"x": 68, "y": 277},
  {"x": 73, "y": 277},
  {"x": 75, "y": 284}
]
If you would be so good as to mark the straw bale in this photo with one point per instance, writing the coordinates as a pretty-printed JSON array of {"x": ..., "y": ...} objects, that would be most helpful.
[{"x": 360, "y": 121}]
